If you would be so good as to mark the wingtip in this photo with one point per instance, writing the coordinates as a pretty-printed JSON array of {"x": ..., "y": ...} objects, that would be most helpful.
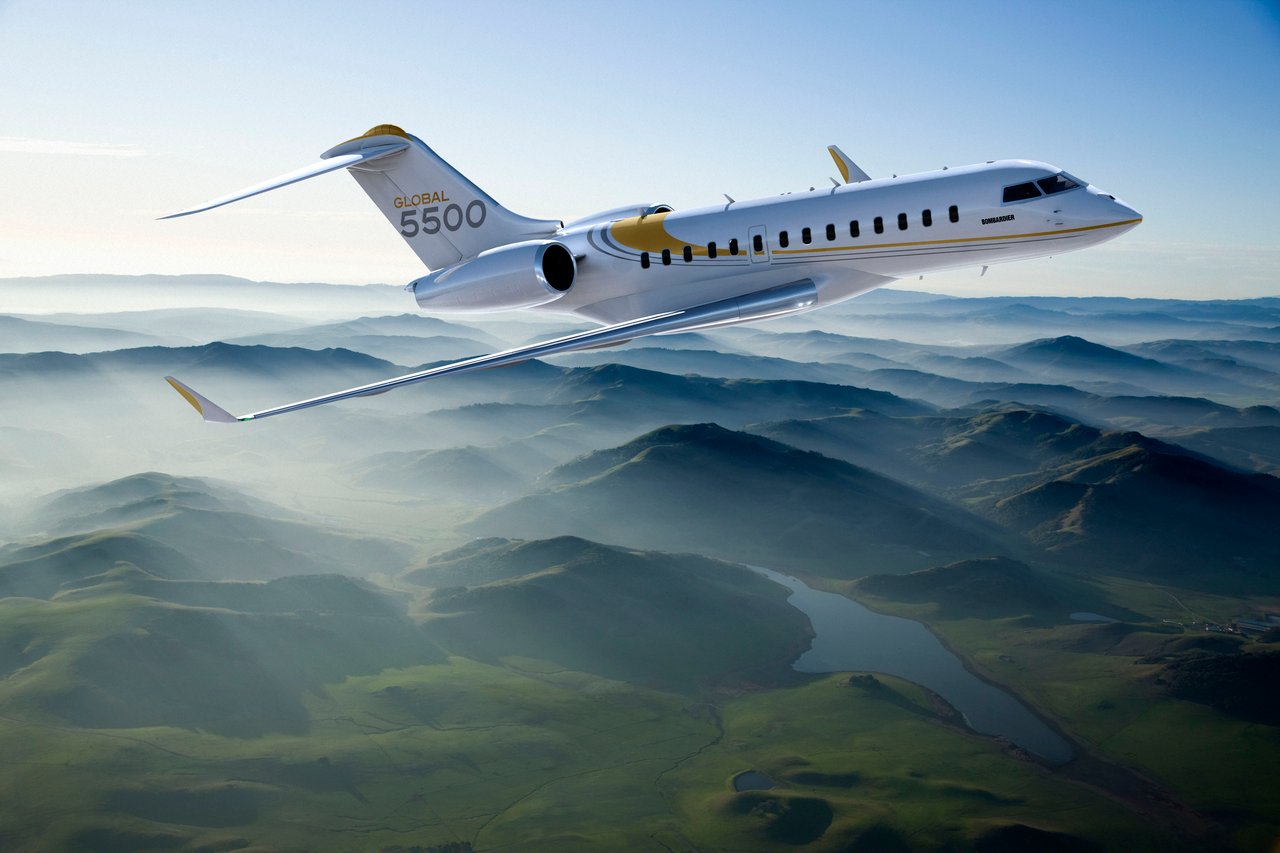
[{"x": 207, "y": 409}]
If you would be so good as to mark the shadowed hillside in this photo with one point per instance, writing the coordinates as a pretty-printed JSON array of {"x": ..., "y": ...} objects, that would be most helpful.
[
  {"x": 469, "y": 474},
  {"x": 992, "y": 586},
  {"x": 669, "y": 489},
  {"x": 667, "y": 620},
  {"x": 1141, "y": 510},
  {"x": 127, "y": 649},
  {"x": 179, "y": 528}
]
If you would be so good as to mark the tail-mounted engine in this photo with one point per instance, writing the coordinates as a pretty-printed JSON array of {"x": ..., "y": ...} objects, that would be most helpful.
[{"x": 521, "y": 275}]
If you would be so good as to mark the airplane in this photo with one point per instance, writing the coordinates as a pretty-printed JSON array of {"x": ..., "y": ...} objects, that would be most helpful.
[{"x": 646, "y": 269}]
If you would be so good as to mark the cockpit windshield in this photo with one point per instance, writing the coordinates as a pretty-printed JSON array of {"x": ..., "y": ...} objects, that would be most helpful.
[
  {"x": 1058, "y": 183},
  {"x": 1021, "y": 192}
]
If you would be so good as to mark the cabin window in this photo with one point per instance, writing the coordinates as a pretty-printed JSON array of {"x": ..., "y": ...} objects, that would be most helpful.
[
  {"x": 926, "y": 217},
  {"x": 688, "y": 254},
  {"x": 1020, "y": 192},
  {"x": 806, "y": 235},
  {"x": 853, "y": 228},
  {"x": 733, "y": 247},
  {"x": 784, "y": 239},
  {"x": 711, "y": 250},
  {"x": 666, "y": 257},
  {"x": 1056, "y": 184},
  {"x": 831, "y": 233},
  {"x": 902, "y": 222},
  {"x": 879, "y": 224},
  {"x": 644, "y": 260},
  {"x": 953, "y": 213},
  {"x": 757, "y": 243}
]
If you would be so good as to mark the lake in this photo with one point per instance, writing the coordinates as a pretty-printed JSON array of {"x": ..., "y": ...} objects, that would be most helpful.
[{"x": 850, "y": 637}]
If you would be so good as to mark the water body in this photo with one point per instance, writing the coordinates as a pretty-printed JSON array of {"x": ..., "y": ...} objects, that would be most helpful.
[
  {"x": 752, "y": 780},
  {"x": 1086, "y": 616},
  {"x": 849, "y": 637}
]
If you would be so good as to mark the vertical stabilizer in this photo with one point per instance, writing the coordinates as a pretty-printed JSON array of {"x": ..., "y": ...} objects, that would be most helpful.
[{"x": 443, "y": 216}]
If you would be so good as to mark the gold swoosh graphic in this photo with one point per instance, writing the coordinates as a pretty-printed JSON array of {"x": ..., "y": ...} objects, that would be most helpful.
[{"x": 649, "y": 234}]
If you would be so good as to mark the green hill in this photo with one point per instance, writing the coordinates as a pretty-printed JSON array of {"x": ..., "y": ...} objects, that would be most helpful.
[
  {"x": 657, "y": 394},
  {"x": 1243, "y": 685},
  {"x": 469, "y": 474},
  {"x": 483, "y": 561},
  {"x": 992, "y": 586},
  {"x": 180, "y": 528},
  {"x": 948, "y": 451},
  {"x": 39, "y": 571},
  {"x": 138, "y": 497},
  {"x": 332, "y": 594},
  {"x": 1250, "y": 448},
  {"x": 742, "y": 497},
  {"x": 1139, "y": 509},
  {"x": 672, "y": 621},
  {"x": 124, "y": 653}
]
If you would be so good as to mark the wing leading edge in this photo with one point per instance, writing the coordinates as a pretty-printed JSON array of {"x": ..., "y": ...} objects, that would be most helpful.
[{"x": 785, "y": 299}]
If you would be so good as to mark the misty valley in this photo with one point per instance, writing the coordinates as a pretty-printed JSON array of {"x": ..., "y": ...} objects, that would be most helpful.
[{"x": 913, "y": 573}]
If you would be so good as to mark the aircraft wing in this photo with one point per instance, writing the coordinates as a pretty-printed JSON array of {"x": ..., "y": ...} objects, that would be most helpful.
[{"x": 785, "y": 299}]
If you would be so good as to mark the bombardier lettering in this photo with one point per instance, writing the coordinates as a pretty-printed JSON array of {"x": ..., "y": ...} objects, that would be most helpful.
[{"x": 1008, "y": 217}]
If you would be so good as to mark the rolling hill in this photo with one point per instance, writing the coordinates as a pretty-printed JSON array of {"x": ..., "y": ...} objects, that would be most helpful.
[
  {"x": 1143, "y": 510},
  {"x": 469, "y": 474},
  {"x": 672, "y": 621},
  {"x": 1074, "y": 359},
  {"x": 992, "y": 586},
  {"x": 129, "y": 650},
  {"x": 179, "y": 528},
  {"x": 708, "y": 489},
  {"x": 19, "y": 335}
]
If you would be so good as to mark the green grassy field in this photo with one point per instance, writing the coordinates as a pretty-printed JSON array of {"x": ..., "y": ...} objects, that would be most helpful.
[
  {"x": 890, "y": 777},
  {"x": 322, "y": 713},
  {"x": 1099, "y": 684},
  {"x": 526, "y": 756}
]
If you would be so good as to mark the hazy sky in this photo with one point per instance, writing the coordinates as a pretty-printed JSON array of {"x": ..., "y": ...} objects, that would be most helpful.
[{"x": 114, "y": 113}]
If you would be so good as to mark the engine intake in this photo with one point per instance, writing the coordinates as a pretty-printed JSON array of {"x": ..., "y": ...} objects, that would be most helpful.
[{"x": 521, "y": 275}]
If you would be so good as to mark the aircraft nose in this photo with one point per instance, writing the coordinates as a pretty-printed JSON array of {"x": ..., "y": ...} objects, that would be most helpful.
[{"x": 1125, "y": 212}]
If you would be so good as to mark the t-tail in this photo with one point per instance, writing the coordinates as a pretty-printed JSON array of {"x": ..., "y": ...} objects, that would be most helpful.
[{"x": 442, "y": 215}]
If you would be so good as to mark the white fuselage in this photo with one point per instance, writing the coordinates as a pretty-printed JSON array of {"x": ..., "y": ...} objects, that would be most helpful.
[
  {"x": 846, "y": 239},
  {"x": 647, "y": 270}
]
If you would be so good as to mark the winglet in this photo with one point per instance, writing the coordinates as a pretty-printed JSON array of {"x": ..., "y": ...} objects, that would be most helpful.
[
  {"x": 210, "y": 411},
  {"x": 848, "y": 169}
]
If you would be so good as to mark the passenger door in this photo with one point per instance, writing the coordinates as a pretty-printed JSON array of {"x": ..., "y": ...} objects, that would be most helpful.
[{"x": 758, "y": 244}]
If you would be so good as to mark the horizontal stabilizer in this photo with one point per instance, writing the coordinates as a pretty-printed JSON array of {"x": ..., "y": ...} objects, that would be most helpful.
[
  {"x": 797, "y": 296},
  {"x": 848, "y": 169},
  {"x": 332, "y": 164}
]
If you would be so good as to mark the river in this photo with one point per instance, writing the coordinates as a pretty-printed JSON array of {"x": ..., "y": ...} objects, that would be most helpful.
[{"x": 850, "y": 637}]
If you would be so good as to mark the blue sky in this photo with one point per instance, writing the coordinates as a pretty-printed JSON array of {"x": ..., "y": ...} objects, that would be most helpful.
[{"x": 115, "y": 113}]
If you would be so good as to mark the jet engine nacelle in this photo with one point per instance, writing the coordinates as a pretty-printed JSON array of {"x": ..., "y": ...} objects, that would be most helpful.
[{"x": 520, "y": 275}]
